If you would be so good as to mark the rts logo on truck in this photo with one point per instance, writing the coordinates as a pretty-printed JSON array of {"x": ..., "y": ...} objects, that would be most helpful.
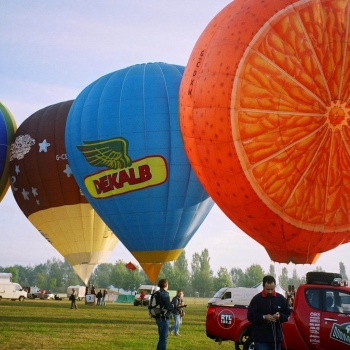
[
  {"x": 226, "y": 318},
  {"x": 341, "y": 333}
]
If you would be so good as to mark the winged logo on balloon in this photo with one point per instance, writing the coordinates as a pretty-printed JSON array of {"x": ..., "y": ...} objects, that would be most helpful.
[{"x": 111, "y": 153}]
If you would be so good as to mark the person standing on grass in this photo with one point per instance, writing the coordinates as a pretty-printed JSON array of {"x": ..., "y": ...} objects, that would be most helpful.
[
  {"x": 104, "y": 296},
  {"x": 177, "y": 312},
  {"x": 266, "y": 311},
  {"x": 99, "y": 297},
  {"x": 163, "y": 319},
  {"x": 72, "y": 298},
  {"x": 142, "y": 297}
]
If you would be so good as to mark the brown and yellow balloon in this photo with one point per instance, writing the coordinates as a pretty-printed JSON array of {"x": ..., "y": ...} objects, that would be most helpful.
[{"x": 47, "y": 193}]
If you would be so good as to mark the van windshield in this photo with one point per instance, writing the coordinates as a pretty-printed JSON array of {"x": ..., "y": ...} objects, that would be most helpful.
[
  {"x": 219, "y": 293},
  {"x": 146, "y": 291}
]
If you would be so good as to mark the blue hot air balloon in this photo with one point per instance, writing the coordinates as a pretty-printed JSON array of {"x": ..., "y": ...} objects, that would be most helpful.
[
  {"x": 126, "y": 152},
  {"x": 7, "y": 130}
]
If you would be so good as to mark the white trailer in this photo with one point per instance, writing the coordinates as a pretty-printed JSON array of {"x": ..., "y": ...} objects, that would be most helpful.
[
  {"x": 79, "y": 291},
  {"x": 13, "y": 291},
  {"x": 5, "y": 277}
]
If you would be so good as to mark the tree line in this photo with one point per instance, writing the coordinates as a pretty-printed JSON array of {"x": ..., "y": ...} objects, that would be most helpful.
[{"x": 197, "y": 279}]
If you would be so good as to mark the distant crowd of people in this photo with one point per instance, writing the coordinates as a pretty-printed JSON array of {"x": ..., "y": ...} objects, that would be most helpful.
[{"x": 100, "y": 297}]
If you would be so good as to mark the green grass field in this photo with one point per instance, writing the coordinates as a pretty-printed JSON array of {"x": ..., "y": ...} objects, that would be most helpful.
[{"x": 44, "y": 324}]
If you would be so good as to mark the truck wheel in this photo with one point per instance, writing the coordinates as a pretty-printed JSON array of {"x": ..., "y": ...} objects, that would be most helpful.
[
  {"x": 248, "y": 344},
  {"x": 21, "y": 298}
]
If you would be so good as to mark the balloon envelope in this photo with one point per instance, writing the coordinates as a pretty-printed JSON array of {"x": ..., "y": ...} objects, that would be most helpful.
[
  {"x": 125, "y": 149},
  {"x": 7, "y": 130},
  {"x": 265, "y": 118},
  {"x": 47, "y": 193}
]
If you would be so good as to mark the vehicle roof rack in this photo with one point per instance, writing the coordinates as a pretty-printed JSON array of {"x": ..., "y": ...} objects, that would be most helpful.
[{"x": 326, "y": 278}]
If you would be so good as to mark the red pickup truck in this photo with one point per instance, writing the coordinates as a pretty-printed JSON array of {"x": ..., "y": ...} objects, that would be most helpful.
[{"x": 320, "y": 317}]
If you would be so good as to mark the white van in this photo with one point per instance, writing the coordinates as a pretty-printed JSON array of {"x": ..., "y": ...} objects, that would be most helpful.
[
  {"x": 233, "y": 296},
  {"x": 12, "y": 291},
  {"x": 238, "y": 295},
  {"x": 148, "y": 289}
]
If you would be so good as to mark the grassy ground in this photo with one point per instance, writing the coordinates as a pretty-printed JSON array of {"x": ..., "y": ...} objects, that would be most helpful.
[{"x": 44, "y": 324}]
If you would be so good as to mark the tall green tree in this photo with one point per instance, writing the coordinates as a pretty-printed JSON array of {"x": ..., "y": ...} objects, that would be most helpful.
[
  {"x": 272, "y": 271},
  {"x": 121, "y": 277},
  {"x": 223, "y": 279},
  {"x": 181, "y": 275},
  {"x": 342, "y": 270},
  {"x": 252, "y": 276},
  {"x": 102, "y": 275},
  {"x": 167, "y": 272},
  {"x": 202, "y": 275},
  {"x": 237, "y": 276},
  {"x": 296, "y": 281},
  {"x": 284, "y": 279}
]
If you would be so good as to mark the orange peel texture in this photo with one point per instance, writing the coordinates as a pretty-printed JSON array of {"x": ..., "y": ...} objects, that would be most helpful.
[{"x": 265, "y": 115}]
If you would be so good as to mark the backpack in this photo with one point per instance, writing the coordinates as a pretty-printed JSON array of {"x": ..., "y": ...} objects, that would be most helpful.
[{"x": 154, "y": 307}]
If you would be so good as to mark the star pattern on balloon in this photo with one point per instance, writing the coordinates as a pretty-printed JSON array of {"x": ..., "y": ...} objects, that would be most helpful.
[
  {"x": 25, "y": 194},
  {"x": 43, "y": 146},
  {"x": 68, "y": 170}
]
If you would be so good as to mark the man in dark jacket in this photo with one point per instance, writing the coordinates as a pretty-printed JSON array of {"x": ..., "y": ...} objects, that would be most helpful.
[
  {"x": 163, "y": 319},
  {"x": 267, "y": 311}
]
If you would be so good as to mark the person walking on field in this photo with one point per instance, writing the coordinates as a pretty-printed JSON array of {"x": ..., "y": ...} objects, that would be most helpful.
[
  {"x": 267, "y": 311},
  {"x": 72, "y": 298},
  {"x": 177, "y": 312},
  {"x": 163, "y": 319}
]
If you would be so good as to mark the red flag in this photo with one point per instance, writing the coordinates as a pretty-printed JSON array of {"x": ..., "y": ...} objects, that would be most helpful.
[{"x": 130, "y": 266}]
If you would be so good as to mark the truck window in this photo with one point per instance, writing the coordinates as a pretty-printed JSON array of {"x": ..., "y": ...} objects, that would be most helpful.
[
  {"x": 329, "y": 303},
  {"x": 345, "y": 302},
  {"x": 312, "y": 297},
  {"x": 227, "y": 295},
  {"x": 337, "y": 301}
]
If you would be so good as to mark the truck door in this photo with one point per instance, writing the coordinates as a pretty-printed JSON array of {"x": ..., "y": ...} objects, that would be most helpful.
[{"x": 335, "y": 320}]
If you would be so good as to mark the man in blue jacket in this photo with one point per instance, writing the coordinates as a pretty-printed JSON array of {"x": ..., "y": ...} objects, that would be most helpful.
[
  {"x": 163, "y": 319},
  {"x": 267, "y": 311}
]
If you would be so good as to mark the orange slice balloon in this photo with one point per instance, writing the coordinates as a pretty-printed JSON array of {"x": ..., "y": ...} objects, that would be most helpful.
[{"x": 265, "y": 120}]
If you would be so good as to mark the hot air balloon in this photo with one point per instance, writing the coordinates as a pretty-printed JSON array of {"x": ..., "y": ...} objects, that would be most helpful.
[
  {"x": 47, "y": 193},
  {"x": 264, "y": 105},
  {"x": 125, "y": 149},
  {"x": 7, "y": 130}
]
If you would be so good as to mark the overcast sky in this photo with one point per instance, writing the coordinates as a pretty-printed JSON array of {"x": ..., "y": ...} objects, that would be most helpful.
[{"x": 51, "y": 50}]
